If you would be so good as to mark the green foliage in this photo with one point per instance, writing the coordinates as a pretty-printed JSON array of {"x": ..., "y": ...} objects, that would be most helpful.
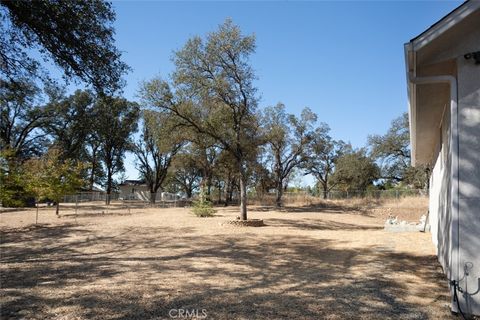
[
  {"x": 116, "y": 120},
  {"x": 417, "y": 177},
  {"x": 72, "y": 121},
  {"x": 185, "y": 173},
  {"x": 213, "y": 94},
  {"x": 75, "y": 35},
  {"x": 12, "y": 181},
  {"x": 392, "y": 150},
  {"x": 203, "y": 207},
  {"x": 67, "y": 122},
  {"x": 288, "y": 138},
  {"x": 322, "y": 155},
  {"x": 355, "y": 171},
  {"x": 156, "y": 148},
  {"x": 22, "y": 119},
  {"x": 50, "y": 177}
]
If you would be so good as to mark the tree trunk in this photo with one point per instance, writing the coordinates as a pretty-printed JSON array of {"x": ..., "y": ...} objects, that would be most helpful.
[
  {"x": 219, "y": 193},
  {"x": 92, "y": 179},
  {"x": 278, "y": 201},
  {"x": 230, "y": 193},
  {"x": 153, "y": 197},
  {"x": 325, "y": 190},
  {"x": 94, "y": 167},
  {"x": 209, "y": 190},
  {"x": 109, "y": 187},
  {"x": 243, "y": 196},
  {"x": 57, "y": 208},
  {"x": 227, "y": 191},
  {"x": 92, "y": 175}
]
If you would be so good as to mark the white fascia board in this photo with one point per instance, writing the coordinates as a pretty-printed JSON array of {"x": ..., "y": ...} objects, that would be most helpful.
[
  {"x": 411, "y": 103},
  {"x": 445, "y": 24}
]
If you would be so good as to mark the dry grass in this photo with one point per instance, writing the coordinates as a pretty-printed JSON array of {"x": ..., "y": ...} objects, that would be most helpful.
[
  {"x": 307, "y": 263},
  {"x": 409, "y": 208}
]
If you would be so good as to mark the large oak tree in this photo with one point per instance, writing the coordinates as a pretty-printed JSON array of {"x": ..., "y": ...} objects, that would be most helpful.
[
  {"x": 323, "y": 152},
  {"x": 288, "y": 138},
  {"x": 213, "y": 94},
  {"x": 156, "y": 148},
  {"x": 116, "y": 120},
  {"x": 392, "y": 151}
]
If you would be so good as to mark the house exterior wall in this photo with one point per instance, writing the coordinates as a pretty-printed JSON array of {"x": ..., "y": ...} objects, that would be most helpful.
[
  {"x": 451, "y": 145},
  {"x": 469, "y": 181},
  {"x": 440, "y": 215},
  {"x": 467, "y": 200},
  {"x": 135, "y": 192},
  {"x": 142, "y": 193}
]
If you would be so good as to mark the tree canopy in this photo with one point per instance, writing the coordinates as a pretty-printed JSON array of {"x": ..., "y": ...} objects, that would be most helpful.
[
  {"x": 392, "y": 150},
  {"x": 213, "y": 94},
  {"x": 322, "y": 156},
  {"x": 355, "y": 171},
  {"x": 77, "y": 36},
  {"x": 288, "y": 138},
  {"x": 51, "y": 177},
  {"x": 116, "y": 119},
  {"x": 23, "y": 118},
  {"x": 156, "y": 149}
]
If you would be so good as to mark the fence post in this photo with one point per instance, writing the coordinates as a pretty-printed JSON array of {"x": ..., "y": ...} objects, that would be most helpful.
[{"x": 36, "y": 214}]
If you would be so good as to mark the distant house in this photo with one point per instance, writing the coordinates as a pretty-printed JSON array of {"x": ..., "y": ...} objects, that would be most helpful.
[
  {"x": 92, "y": 189},
  {"x": 87, "y": 194},
  {"x": 443, "y": 74},
  {"x": 134, "y": 190},
  {"x": 138, "y": 190}
]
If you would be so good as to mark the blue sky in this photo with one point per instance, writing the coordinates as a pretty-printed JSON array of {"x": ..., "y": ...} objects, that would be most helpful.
[{"x": 344, "y": 60}]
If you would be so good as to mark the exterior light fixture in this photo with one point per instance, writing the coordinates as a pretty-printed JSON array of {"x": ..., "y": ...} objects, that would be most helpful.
[{"x": 474, "y": 55}]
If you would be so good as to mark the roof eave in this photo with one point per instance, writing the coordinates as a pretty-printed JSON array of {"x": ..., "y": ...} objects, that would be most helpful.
[
  {"x": 444, "y": 24},
  {"x": 411, "y": 101}
]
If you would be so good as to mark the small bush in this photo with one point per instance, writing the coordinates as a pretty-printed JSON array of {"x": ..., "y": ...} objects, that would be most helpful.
[{"x": 202, "y": 207}]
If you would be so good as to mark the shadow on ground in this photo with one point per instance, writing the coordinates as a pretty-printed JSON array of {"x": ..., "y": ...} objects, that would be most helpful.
[
  {"x": 143, "y": 273},
  {"x": 330, "y": 208}
]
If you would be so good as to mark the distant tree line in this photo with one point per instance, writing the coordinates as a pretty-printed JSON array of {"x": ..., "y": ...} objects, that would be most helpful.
[
  {"x": 89, "y": 132},
  {"x": 201, "y": 128}
]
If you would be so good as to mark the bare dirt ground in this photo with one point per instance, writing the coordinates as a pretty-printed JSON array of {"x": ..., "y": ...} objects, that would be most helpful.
[{"x": 307, "y": 263}]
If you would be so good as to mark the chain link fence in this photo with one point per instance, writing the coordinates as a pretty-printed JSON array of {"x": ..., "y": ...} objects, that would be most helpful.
[
  {"x": 305, "y": 198},
  {"x": 374, "y": 194},
  {"x": 84, "y": 198}
]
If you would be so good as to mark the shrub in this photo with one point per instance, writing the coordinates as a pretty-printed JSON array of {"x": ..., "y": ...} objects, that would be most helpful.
[{"x": 202, "y": 207}]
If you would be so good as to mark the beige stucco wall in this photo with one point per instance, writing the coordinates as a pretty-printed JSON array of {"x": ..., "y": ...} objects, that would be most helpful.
[
  {"x": 131, "y": 192},
  {"x": 445, "y": 56},
  {"x": 469, "y": 180},
  {"x": 440, "y": 215},
  {"x": 468, "y": 198}
]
